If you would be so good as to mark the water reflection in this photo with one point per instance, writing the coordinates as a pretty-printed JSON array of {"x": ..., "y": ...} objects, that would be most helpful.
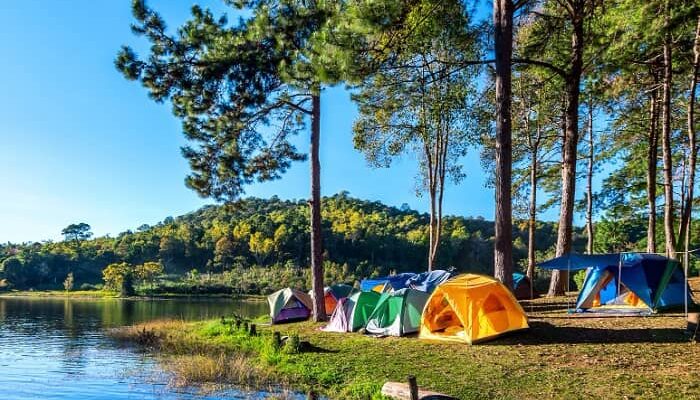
[{"x": 56, "y": 348}]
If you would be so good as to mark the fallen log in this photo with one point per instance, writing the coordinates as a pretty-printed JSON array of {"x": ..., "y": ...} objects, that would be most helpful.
[{"x": 407, "y": 391}]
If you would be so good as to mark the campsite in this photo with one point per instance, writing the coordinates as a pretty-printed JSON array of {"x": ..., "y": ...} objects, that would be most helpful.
[
  {"x": 464, "y": 336},
  {"x": 349, "y": 199},
  {"x": 560, "y": 355}
]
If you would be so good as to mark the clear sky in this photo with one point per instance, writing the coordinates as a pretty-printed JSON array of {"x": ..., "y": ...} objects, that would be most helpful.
[{"x": 79, "y": 143}]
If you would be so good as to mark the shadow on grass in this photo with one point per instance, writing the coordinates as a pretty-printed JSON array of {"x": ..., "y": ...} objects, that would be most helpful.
[
  {"x": 307, "y": 347},
  {"x": 545, "y": 333}
]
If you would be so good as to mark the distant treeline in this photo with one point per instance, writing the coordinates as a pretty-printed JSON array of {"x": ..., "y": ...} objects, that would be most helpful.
[{"x": 256, "y": 245}]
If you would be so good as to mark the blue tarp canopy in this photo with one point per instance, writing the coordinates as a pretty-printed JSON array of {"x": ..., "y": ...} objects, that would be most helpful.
[
  {"x": 573, "y": 261},
  {"x": 391, "y": 282},
  {"x": 428, "y": 281}
]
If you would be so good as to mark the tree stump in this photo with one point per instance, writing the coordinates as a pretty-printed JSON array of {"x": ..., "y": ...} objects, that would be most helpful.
[
  {"x": 253, "y": 330},
  {"x": 277, "y": 340}
]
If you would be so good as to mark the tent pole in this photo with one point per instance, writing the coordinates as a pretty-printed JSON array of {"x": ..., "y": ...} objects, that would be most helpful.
[
  {"x": 568, "y": 280},
  {"x": 619, "y": 277},
  {"x": 685, "y": 286}
]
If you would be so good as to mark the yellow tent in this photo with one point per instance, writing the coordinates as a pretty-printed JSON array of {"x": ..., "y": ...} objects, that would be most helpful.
[{"x": 471, "y": 308}]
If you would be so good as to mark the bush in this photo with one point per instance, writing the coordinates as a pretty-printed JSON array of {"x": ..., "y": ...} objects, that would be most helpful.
[
  {"x": 579, "y": 277},
  {"x": 90, "y": 286}
]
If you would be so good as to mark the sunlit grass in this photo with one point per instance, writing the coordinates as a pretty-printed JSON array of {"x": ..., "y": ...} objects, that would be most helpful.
[{"x": 559, "y": 357}]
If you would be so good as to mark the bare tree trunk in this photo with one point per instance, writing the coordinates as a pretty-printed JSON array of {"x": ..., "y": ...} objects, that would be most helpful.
[
  {"x": 652, "y": 160},
  {"x": 589, "y": 181},
  {"x": 669, "y": 232},
  {"x": 319, "y": 310},
  {"x": 433, "y": 226},
  {"x": 560, "y": 278},
  {"x": 503, "y": 48},
  {"x": 686, "y": 218},
  {"x": 532, "y": 220}
]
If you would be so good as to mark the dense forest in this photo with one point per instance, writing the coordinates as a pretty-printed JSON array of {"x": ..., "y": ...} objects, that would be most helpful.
[{"x": 257, "y": 245}]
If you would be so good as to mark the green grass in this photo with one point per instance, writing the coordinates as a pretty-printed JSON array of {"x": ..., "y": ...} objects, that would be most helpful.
[{"x": 559, "y": 357}]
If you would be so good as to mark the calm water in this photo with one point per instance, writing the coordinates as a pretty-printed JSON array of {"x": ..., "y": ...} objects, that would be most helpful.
[{"x": 57, "y": 348}]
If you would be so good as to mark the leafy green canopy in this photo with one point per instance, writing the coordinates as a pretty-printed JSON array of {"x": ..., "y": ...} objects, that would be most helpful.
[{"x": 240, "y": 89}]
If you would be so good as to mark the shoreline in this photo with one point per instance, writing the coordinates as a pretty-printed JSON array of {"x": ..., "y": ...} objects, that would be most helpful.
[
  {"x": 558, "y": 357},
  {"x": 98, "y": 294}
]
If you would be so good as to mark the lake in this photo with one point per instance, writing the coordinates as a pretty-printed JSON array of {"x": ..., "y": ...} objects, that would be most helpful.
[{"x": 54, "y": 348}]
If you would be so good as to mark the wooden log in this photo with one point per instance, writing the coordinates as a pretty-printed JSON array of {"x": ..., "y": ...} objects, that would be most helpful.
[
  {"x": 253, "y": 330},
  {"x": 402, "y": 391}
]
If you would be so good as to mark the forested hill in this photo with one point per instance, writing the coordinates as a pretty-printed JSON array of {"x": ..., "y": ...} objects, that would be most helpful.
[{"x": 361, "y": 238}]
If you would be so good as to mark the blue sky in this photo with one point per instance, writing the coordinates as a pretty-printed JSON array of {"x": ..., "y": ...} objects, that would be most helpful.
[{"x": 79, "y": 143}]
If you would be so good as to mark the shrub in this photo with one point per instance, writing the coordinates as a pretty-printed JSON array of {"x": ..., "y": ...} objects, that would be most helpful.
[
  {"x": 90, "y": 286},
  {"x": 68, "y": 283},
  {"x": 579, "y": 277}
]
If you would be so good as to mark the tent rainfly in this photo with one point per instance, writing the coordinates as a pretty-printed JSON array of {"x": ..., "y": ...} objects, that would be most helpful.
[
  {"x": 471, "y": 308},
  {"x": 288, "y": 305},
  {"x": 428, "y": 281},
  {"x": 397, "y": 313},
  {"x": 626, "y": 282},
  {"x": 522, "y": 287},
  {"x": 351, "y": 313},
  {"x": 387, "y": 283}
]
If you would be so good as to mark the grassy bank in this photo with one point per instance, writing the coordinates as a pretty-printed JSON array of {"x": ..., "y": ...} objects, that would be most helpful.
[{"x": 559, "y": 357}]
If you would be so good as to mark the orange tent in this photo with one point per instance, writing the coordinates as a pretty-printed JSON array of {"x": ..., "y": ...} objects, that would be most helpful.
[
  {"x": 331, "y": 295},
  {"x": 471, "y": 308}
]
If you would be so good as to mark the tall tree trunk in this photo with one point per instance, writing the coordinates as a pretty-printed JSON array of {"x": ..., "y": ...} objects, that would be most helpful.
[
  {"x": 669, "y": 232},
  {"x": 558, "y": 283},
  {"x": 532, "y": 217},
  {"x": 433, "y": 226},
  {"x": 652, "y": 160},
  {"x": 589, "y": 181},
  {"x": 692, "y": 143},
  {"x": 319, "y": 310},
  {"x": 503, "y": 48}
]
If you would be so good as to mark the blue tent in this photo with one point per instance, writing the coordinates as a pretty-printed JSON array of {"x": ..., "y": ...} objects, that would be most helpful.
[
  {"x": 387, "y": 283},
  {"x": 522, "y": 287},
  {"x": 428, "y": 281},
  {"x": 626, "y": 281}
]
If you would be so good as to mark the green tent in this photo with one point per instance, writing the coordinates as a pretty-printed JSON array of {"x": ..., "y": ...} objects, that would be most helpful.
[
  {"x": 288, "y": 305},
  {"x": 397, "y": 313},
  {"x": 352, "y": 312}
]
